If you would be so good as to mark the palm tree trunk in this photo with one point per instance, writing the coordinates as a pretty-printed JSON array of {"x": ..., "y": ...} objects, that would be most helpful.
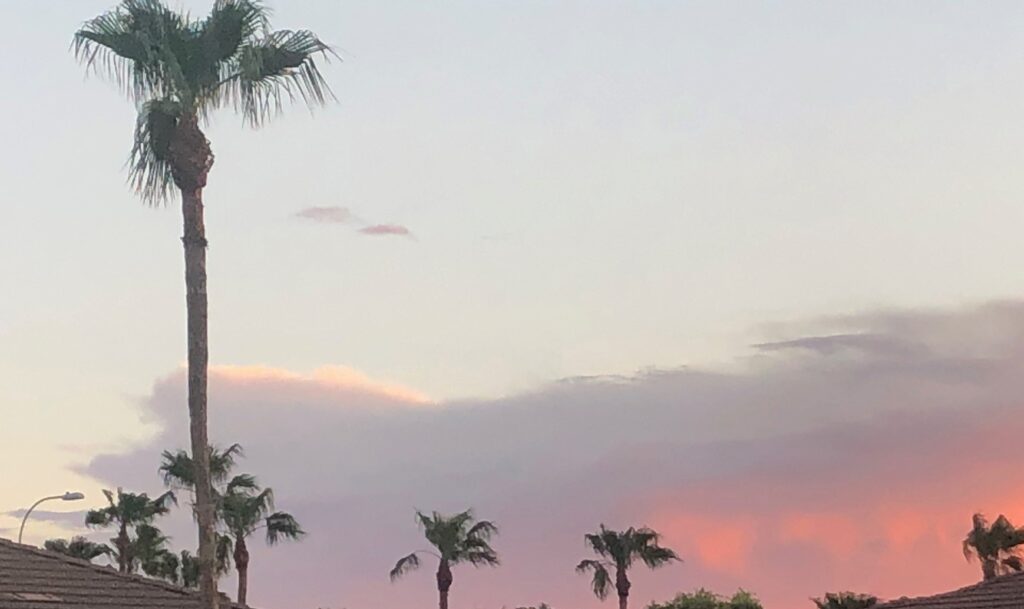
[
  {"x": 988, "y": 569},
  {"x": 622, "y": 586},
  {"x": 122, "y": 549},
  {"x": 242, "y": 566},
  {"x": 444, "y": 583},
  {"x": 194, "y": 240}
]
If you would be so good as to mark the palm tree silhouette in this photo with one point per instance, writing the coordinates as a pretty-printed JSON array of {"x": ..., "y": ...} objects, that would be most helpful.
[
  {"x": 997, "y": 546},
  {"x": 178, "y": 70},
  {"x": 457, "y": 539},
  {"x": 132, "y": 515},
  {"x": 618, "y": 551},
  {"x": 78, "y": 547}
]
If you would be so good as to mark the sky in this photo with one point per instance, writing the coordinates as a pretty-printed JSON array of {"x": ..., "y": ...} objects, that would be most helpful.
[{"x": 740, "y": 271}]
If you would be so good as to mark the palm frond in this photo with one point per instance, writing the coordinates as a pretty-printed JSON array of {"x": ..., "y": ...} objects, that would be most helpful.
[
  {"x": 655, "y": 556},
  {"x": 230, "y": 24},
  {"x": 281, "y": 66},
  {"x": 223, "y": 546},
  {"x": 602, "y": 579},
  {"x": 281, "y": 526},
  {"x": 596, "y": 542},
  {"x": 242, "y": 484},
  {"x": 482, "y": 557},
  {"x": 189, "y": 570},
  {"x": 404, "y": 565},
  {"x": 135, "y": 45},
  {"x": 149, "y": 170},
  {"x": 483, "y": 529}
]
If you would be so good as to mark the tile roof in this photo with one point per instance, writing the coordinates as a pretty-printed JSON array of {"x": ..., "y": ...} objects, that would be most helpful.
[
  {"x": 1006, "y": 592},
  {"x": 31, "y": 578}
]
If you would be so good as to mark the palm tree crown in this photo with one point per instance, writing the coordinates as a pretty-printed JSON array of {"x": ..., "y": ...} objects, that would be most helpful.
[
  {"x": 997, "y": 546},
  {"x": 178, "y": 69},
  {"x": 618, "y": 551},
  {"x": 78, "y": 547},
  {"x": 457, "y": 539},
  {"x": 132, "y": 514}
]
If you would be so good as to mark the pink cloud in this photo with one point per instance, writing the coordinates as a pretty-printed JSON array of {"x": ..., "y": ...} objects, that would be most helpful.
[
  {"x": 327, "y": 215},
  {"x": 823, "y": 463},
  {"x": 386, "y": 229}
]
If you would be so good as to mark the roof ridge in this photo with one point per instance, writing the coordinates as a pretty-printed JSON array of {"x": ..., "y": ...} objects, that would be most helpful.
[
  {"x": 1000, "y": 579},
  {"x": 105, "y": 570}
]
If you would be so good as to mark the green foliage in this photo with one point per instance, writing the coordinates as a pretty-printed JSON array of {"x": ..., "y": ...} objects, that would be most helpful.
[
  {"x": 78, "y": 547},
  {"x": 174, "y": 66},
  {"x": 178, "y": 470},
  {"x": 242, "y": 505},
  {"x": 705, "y": 599},
  {"x": 618, "y": 551},
  {"x": 997, "y": 546},
  {"x": 845, "y": 600},
  {"x": 458, "y": 539},
  {"x": 137, "y": 543}
]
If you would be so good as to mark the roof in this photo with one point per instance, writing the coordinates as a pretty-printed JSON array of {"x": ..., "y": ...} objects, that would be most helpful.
[
  {"x": 1003, "y": 592},
  {"x": 31, "y": 578}
]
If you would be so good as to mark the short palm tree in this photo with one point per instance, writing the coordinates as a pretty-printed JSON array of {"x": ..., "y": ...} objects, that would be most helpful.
[
  {"x": 845, "y": 600},
  {"x": 457, "y": 539},
  {"x": 245, "y": 510},
  {"x": 617, "y": 551},
  {"x": 132, "y": 516},
  {"x": 997, "y": 546},
  {"x": 242, "y": 507},
  {"x": 178, "y": 70},
  {"x": 78, "y": 547}
]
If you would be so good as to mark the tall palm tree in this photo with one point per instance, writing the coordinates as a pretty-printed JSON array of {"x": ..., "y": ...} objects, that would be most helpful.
[
  {"x": 78, "y": 547},
  {"x": 242, "y": 507},
  {"x": 132, "y": 515},
  {"x": 178, "y": 70},
  {"x": 618, "y": 550},
  {"x": 246, "y": 509},
  {"x": 457, "y": 539},
  {"x": 997, "y": 546}
]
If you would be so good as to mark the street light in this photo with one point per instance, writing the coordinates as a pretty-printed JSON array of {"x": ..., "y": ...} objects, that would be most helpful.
[{"x": 68, "y": 496}]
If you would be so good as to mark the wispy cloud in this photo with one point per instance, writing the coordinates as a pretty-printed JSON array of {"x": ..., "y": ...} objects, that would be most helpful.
[
  {"x": 327, "y": 215},
  {"x": 381, "y": 230},
  {"x": 344, "y": 216}
]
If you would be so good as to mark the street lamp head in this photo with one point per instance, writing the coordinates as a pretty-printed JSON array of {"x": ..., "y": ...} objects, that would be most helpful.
[{"x": 72, "y": 496}]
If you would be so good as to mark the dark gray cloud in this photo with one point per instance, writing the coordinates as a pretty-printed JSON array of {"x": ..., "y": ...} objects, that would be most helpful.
[
  {"x": 802, "y": 461},
  {"x": 66, "y": 518}
]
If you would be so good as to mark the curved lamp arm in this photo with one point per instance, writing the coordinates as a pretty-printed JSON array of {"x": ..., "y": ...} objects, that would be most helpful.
[{"x": 68, "y": 496}]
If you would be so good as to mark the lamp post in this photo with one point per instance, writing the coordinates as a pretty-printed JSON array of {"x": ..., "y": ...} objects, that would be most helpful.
[{"x": 68, "y": 496}]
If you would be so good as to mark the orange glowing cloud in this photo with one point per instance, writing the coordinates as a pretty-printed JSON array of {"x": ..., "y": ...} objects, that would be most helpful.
[
  {"x": 720, "y": 543},
  {"x": 327, "y": 377}
]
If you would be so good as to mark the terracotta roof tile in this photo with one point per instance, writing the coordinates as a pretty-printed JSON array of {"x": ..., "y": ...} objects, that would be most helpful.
[{"x": 31, "y": 578}]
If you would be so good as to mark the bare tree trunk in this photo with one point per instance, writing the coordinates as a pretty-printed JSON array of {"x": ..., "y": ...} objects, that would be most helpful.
[
  {"x": 194, "y": 240},
  {"x": 242, "y": 566}
]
